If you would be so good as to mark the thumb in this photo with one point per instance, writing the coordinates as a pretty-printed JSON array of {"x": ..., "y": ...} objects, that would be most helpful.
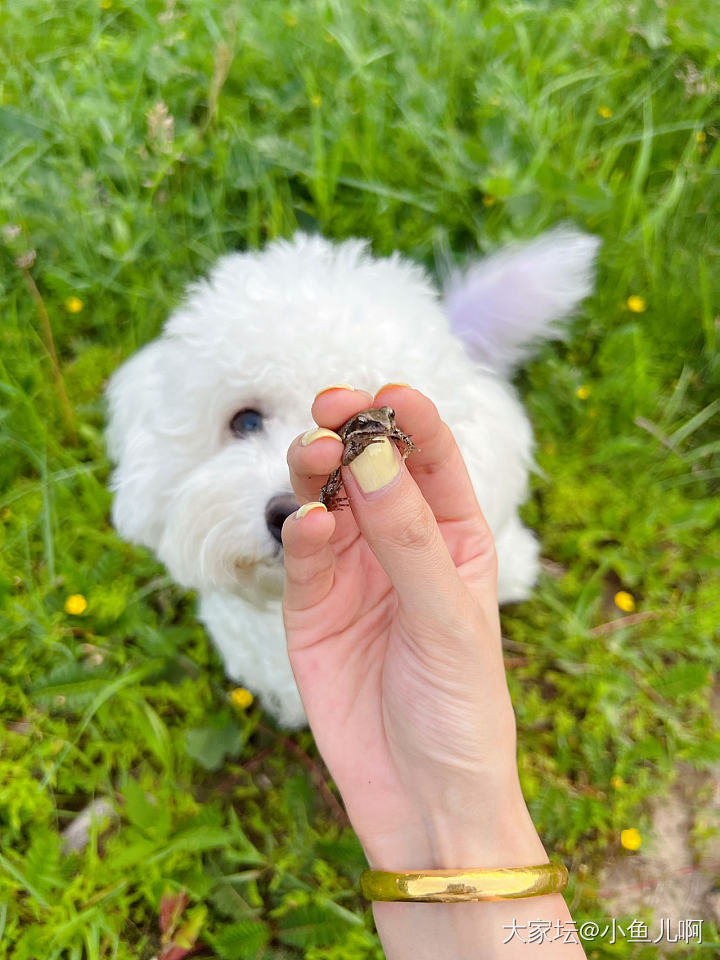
[{"x": 401, "y": 530}]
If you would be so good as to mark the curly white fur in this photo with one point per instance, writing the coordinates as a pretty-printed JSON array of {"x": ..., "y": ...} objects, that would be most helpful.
[{"x": 267, "y": 330}]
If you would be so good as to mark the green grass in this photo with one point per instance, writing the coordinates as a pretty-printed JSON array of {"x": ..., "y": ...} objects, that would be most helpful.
[{"x": 440, "y": 129}]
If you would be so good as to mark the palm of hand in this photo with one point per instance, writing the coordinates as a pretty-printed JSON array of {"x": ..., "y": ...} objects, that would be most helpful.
[
  {"x": 396, "y": 649},
  {"x": 370, "y": 693}
]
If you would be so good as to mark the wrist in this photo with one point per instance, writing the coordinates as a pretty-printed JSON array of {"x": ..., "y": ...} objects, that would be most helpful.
[
  {"x": 495, "y": 832},
  {"x": 503, "y": 836}
]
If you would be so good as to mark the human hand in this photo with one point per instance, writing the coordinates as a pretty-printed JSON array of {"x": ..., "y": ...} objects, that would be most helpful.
[{"x": 393, "y": 633}]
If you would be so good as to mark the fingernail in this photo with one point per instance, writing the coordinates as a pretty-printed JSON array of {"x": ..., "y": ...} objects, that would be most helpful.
[
  {"x": 315, "y": 434},
  {"x": 334, "y": 386},
  {"x": 376, "y": 466},
  {"x": 307, "y": 507},
  {"x": 394, "y": 383}
]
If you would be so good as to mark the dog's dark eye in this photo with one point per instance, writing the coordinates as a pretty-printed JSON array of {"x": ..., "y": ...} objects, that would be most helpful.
[{"x": 246, "y": 421}]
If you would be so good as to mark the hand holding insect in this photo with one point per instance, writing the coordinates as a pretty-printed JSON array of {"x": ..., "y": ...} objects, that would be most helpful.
[{"x": 393, "y": 632}]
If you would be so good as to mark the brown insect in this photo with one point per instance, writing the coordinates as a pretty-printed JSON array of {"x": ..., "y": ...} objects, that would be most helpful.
[{"x": 366, "y": 427}]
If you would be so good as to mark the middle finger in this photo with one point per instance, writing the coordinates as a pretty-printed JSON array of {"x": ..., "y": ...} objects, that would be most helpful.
[{"x": 438, "y": 466}]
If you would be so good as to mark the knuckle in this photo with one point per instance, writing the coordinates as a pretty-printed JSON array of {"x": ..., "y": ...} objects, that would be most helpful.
[
  {"x": 489, "y": 553},
  {"x": 306, "y": 573},
  {"x": 481, "y": 546},
  {"x": 416, "y": 532}
]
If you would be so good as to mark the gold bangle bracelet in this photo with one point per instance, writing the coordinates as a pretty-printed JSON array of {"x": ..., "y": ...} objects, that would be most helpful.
[{"x": 450, "y": 886}]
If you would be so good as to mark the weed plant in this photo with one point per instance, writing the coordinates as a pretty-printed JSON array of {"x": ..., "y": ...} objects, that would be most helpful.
[{"x": 140, "y": 139}]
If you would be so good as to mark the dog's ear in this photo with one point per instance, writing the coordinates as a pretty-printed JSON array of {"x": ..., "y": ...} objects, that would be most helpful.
[
  {"x": 501, "y": 307},
  {"x": 134, "y": 396}
]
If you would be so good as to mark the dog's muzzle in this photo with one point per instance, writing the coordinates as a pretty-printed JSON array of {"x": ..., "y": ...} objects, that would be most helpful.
[{"x": 276, "y": 512}]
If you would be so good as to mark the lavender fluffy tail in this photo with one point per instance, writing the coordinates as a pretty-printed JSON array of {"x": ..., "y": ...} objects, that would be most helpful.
[{"x": 500, "y": 308}]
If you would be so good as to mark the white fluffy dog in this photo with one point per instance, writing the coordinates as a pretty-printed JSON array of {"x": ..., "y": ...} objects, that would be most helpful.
[{"x": 200, "y": 419}]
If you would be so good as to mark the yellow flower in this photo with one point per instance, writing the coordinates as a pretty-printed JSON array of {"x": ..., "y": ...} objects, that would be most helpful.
[
  {"x": 625, "y": 601},
  {"x": 631, "y": 839},
  {"x": 605, "y": 112},
  {"x": 636, "y": 304},
  {"x": 582, "y": 393},
  {"x": 617, "y": 783},
  {"x": 489, "y": 200},
  {"x": 241, "y": 698},
  {"x": 316, "y": 100},
  {"x": 290, "y": 19},
  {"x": 76, "y": 604},
  {"x": 701, "y": 136},
  {"x": 105, "y": 4},
  {"x": 74, "y": 304}
]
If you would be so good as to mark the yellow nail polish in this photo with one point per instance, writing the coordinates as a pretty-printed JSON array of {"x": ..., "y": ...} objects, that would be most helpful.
[
  {"x": 307, "y": 507},
  {"x": 316, "y": 434},
  {"x": 334, "y": 386},
  {"x": 376, "y": 466}
]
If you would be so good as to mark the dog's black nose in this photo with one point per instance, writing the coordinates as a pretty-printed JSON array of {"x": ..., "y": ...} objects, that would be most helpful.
[{"x": 277, "y": 509}]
